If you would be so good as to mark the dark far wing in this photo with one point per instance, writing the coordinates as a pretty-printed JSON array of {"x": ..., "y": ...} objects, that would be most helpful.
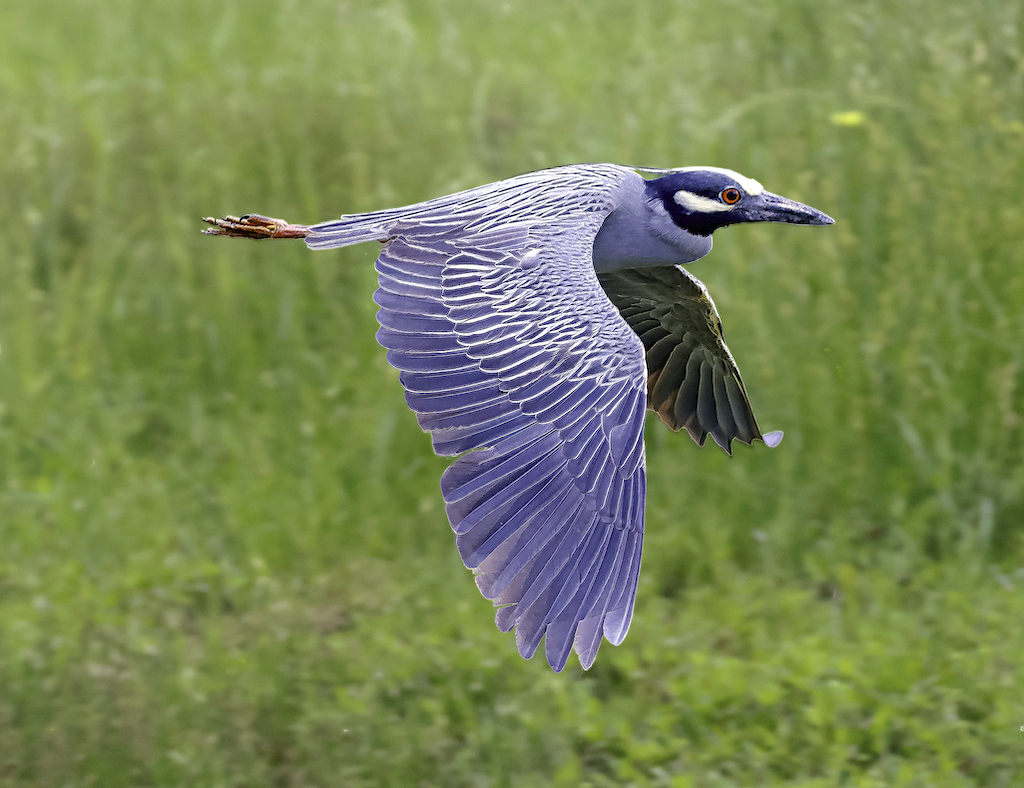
[{"x": 693, "y": 382}]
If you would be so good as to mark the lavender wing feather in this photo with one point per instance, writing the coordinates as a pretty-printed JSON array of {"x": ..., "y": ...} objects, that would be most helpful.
[
  {"x": 512, "y": 356},
  {"x": 693, "y": 381}
]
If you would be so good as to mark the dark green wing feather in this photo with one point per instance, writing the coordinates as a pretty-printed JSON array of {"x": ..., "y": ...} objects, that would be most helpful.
[{"x": 692, "y": 380}]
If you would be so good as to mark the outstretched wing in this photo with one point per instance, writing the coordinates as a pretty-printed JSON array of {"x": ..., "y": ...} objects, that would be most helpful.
[
  {"x": 693, "y": 382},
  {"x": 510, "y": 350}
]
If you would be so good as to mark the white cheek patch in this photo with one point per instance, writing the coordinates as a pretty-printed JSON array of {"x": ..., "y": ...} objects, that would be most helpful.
[{"x": 696, "y": 203}]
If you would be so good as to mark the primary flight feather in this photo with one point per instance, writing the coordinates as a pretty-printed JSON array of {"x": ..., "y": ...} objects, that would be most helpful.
[{"x": 534, "y": 321}]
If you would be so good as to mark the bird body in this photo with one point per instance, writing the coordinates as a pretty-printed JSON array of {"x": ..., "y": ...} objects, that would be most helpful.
[{"x": 534, "y": 321}]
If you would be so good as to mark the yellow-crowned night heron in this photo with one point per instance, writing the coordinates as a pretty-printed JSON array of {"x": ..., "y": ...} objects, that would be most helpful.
[{"x": 534, "y": 320}]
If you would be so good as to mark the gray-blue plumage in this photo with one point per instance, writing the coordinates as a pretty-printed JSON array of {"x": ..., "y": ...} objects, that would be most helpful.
[{"x": 534, "y": 321}]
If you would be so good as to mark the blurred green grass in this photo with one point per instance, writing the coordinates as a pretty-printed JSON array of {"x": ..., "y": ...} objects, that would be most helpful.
[{"x": 225, "y": 560}]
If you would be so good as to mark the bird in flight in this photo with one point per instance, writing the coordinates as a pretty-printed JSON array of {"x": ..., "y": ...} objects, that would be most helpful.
[{"x": 534, "y": 321}]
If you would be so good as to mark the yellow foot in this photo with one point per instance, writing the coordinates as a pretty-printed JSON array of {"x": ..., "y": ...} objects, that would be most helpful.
[{"x": 252, "y": 225}]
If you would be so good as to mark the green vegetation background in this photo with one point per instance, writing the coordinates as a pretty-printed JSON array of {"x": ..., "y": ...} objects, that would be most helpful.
[{"x": 223, "y": 555}]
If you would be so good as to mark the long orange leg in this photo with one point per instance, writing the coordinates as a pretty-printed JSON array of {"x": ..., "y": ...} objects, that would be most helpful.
[{"x": 255, "y": 226}]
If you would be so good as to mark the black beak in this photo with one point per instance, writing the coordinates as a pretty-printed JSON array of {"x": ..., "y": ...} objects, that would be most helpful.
[{"x": 768, "y": 207}]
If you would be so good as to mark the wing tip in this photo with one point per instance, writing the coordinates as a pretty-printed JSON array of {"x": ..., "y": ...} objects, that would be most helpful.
[{"x": 772, "y": 439}]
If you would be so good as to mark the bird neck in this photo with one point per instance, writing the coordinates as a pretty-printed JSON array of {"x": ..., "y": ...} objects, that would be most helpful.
[{"x": 641, "y": 233}]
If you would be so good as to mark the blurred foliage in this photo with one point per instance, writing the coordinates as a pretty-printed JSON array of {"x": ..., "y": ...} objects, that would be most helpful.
[{"x": 225, "y": 561}]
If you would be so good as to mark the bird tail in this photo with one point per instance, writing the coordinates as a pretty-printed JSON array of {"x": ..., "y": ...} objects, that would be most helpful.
[{"x": 353, "y": 229}]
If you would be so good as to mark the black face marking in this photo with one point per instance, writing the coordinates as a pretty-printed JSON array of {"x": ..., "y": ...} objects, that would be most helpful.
[{"x": 708, "y": 184}]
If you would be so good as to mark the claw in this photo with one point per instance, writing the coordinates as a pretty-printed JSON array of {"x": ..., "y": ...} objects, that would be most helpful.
[{"x": 255, "y": 226}]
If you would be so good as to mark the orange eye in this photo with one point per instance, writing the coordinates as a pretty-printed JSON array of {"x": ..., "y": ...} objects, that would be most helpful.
[{"x": 730, "y": 196}]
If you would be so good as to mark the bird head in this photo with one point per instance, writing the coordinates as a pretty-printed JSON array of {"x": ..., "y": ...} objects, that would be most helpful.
[{"x": 702, "y": 199}]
